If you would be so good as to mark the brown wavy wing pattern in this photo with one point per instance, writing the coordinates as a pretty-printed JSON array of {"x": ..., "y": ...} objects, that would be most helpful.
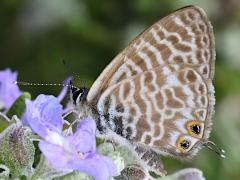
[
  {"x": 154, "y": 107},
  {"x": 183, "y": 37}
]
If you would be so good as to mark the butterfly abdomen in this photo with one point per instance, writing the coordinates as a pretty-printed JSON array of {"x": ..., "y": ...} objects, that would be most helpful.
[{"x": 107, "y": 119}]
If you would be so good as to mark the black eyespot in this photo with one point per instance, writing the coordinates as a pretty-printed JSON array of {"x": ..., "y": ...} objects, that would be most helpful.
[
  {"x": 196, "y": 129},
  {"x": 185, "y": 144}
]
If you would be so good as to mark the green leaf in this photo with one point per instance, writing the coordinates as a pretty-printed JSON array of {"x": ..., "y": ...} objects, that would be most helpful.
[
  {"x": 188, "y": 173},
  {"x": 45, "y": 171},
  {"x": 4, "y": 122},
  {"x": 16, "y": 150},
  {"x": 115, "y": 153},
  {"x": 19, "y": 106},
  {"x": 76, "y": 175},
  {"x": 99, "y": 141}
]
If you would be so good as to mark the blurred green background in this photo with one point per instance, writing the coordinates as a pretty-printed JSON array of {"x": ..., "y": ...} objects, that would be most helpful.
[{"x": 36, "y": 35}]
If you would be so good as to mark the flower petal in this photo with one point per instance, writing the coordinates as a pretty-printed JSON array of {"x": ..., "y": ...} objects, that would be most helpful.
[
  {"x": 64, "y": 90},
  {"x": 9, "y": 91},
  {"x": 98, "y": 166},
  {"x": 78, "y": 152},
  {"x": 84, "y": 139},
  {"x": 55, "y": 154},
  {"x": 44, "y": 115}
]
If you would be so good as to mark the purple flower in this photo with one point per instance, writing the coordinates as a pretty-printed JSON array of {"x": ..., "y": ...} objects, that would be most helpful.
[
  {"x": 76, "y": 151},
  {"x": 65, "y": 89},
  {"x": 44, "y": 115},
  {"x": 9, "y": 91}
]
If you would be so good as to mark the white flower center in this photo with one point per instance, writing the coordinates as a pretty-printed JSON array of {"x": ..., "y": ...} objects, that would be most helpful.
[{"x": 55, "y": 138}]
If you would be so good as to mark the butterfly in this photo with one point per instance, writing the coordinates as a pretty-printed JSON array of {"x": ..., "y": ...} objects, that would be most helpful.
[{"x": 157, "y": 94}]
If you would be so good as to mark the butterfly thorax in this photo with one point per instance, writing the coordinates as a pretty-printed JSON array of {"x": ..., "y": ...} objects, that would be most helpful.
[
  {"x": 104, "y": 120},
  {"x": 78, "y": 99}
]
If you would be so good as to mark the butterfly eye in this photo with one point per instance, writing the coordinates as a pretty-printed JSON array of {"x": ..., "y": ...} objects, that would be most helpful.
[
  {"x": 77, "y": 94},
  {"x": 195, "y": 128},
  {"x": 183, "y": 144}
]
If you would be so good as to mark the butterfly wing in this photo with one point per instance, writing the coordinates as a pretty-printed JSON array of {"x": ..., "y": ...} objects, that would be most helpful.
[
  {"x": 158, "y": 91},
  {"x": 183, "y": 37},
  {"x": 159, "y": 107}
]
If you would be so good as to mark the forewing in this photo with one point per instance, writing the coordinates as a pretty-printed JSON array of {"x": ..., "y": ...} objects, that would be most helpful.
[{"x": 183, "y": 37}]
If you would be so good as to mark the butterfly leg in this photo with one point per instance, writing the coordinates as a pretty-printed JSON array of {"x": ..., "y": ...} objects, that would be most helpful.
[{"x": 151, "y": 159}]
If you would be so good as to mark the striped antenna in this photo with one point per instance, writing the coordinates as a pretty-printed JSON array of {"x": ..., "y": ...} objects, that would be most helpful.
[{"x": 22, "y": 83}]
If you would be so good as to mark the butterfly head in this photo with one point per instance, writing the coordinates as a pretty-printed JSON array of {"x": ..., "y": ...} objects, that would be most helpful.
[{"x": 78, "y": 95}]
